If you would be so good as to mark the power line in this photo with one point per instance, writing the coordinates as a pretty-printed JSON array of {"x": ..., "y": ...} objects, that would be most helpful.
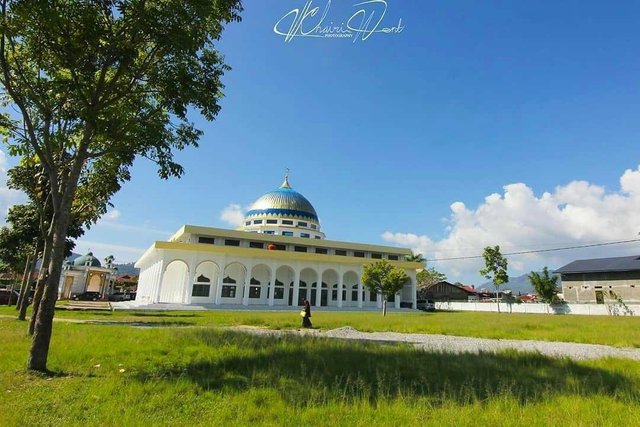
[{"x": 565, "y": 248}]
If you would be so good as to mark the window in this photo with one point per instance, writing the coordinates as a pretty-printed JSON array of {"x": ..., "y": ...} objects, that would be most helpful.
[
  {"x": 354, "y": 293},
  {"x": 302, "y": 224},
  {"x": 358, "y": 254},
  {"x": 272, "y": 221},
  {"x": 247, "y": 223},
  {"x": 393, "y": 257},
  {"x": 269, "y": 232},
  {"x": 341, "y": 252},
  {"x": 257, "y": 221},
  {"x": 305, "y": 235},
  {"x": 254, "y": 288},
  {"x": 207, "y": 240},
  {"x": 313, "y": 226},
  {"x": 318, "y": 237},
  {"x": 228, "y": 291},
  {"x": 230, "y": 242},
  {"x": 287, "y": 233},
  {"x": 373, "y": 297},
  {"x": 276, "y": 247},
  {"x": 376, "y": 256},
  {"x": 321, "y": 251},
  {"x": 287, "y": 222},
  {"x": 278, "y": 290},
  {"x": 300, "y": 248},
  {"x": 256, "y": 245},
  {"x": 200, "y": 290}
]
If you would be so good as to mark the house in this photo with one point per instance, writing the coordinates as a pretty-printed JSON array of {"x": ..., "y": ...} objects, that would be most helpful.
[
  {"x": 445, "y": 291},
  {"x": 601, "y": 279}
]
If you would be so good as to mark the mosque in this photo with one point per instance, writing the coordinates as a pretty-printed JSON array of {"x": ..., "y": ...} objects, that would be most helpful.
[{"x": 278, "y": 257}]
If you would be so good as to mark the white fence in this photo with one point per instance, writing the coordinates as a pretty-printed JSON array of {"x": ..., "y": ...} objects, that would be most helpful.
[{"x": 611, "y": 309}]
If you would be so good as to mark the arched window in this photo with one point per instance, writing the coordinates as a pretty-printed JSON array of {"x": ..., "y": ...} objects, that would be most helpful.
[
  {"x": 228, "y": 287},
  {"x": 201, "y": 287}
]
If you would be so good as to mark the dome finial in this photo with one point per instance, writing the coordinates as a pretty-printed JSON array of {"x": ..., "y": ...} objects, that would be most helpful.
[{"x": 285, "y": 183}]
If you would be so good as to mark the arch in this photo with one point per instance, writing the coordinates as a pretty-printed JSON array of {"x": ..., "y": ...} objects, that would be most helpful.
[
  {"x": 330, "y": 277},
  {"x": 284, "y": 284},
  {"x": 174, "y": 280},
  {"x": 307, "y": 277},
  {"x": 259, "y": 284},
  {"x": 95, "y": 282},
  {"x": 350, "y": 281},
  {"x": 205, "y": 281},
  {"x": 233, "y": 279}
]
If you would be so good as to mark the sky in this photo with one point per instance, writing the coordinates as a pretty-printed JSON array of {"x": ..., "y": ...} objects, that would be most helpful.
[{"x": 463, "y": 124}]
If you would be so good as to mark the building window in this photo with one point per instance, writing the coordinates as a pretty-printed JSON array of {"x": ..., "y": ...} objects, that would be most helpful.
[
  {"x": 278, "y": 292},
  {"x": 358, "y": 254},
  {"x": 318, "y": 237},
  {"x": 300, "y": 248},
  {"x": 254, "y": 288},
  {"x": 376, "y": 256},
  {"x": 228, "y": 291},
  {"x": 207, "y": 240},
  {"x": 354, "y": 293},
  {"x": 305, "y": 235},
  {"x": 373, "y": 297},
  {"x": 257, "y": 221},
  {"x": 393, "y": 257},
  {"x": 230, "y": 242},
  {"x": 247, "y": 223},
  {"x": 272, "y": 221},
  {"x": 287, "y": 233},
  {"x": 313, "y": 226},
  {"x": 302, "y": 224},
  {"x": 287, "y": 222},
  {"x": 321, "y": 251},
  {"x": 341, "y": 252},
  {"x": 269, "y": 232},
  {"x": 200, "y": 290},
  {"x": 256, "y": 245}
]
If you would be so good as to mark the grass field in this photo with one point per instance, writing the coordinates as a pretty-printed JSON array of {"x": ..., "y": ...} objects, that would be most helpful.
[
  {"x": 610, "y": 330},
  {"x": 123, "y": 375}
]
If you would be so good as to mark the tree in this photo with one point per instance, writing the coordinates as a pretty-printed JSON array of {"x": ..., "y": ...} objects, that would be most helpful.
[
  {"x": 545, "y": 285},
  {"x": 416, "y": 258},
  {"x": 495, "y": 269},
  {"x": 429, "y": 277},
  {"x": 98, "y": 83},
  {"x": 383, "y": 278}
]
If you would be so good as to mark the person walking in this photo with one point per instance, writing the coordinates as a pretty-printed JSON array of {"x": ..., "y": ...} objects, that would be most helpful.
[{"x": 306, "y": 320}]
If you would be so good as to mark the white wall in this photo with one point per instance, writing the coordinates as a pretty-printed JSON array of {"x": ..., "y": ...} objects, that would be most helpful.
[{"x": 585, "y": 309}]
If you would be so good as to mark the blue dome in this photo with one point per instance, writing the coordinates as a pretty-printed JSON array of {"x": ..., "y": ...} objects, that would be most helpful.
[
  {"x": 82, "y": 260},
  {"x": 284, "y": 201}
]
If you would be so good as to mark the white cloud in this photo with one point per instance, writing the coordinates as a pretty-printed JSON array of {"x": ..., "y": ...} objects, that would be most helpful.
[
  {"x": 233, "y": 214},
  {"x": 112, "y": 215},
  {"x": 8, "y": 196},
  {"x": 573, "y": 214}
]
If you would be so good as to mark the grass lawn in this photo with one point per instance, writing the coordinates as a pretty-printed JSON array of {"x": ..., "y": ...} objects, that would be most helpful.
[
  {"x": 610, "y": 330},
  {"x": 121, "y": 375}
]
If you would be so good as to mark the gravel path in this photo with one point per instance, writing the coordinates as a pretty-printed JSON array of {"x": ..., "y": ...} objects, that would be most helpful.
[{"x": 453, "y": 344}]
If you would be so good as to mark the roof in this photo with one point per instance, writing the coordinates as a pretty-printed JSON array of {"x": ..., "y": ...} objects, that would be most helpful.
[
  {"x": 445, "y": 283},
  {"x": 601, "y": 265},
  {"x": 82, "y": 260},
  {"x": 284, "y": 201}
]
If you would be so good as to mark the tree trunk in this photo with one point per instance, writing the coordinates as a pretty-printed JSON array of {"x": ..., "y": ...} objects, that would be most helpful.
[
  {"x": 24, "y": 302},
  {"x": 37, "y": 295},
  {"x": 384, "y": 307},
  {"x": 39, "y": 351},
  {"x": 498, "y": 299},
  {"x": 27, "y": 270}
]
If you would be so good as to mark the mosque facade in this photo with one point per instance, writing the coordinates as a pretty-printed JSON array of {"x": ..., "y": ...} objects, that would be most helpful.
[{"x": 277, "y": 258}]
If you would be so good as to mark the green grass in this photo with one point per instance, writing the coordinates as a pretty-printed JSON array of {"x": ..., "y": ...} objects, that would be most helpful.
[
  {"x": 610, "y": 330},
  {"x": 206, "y": 376}
]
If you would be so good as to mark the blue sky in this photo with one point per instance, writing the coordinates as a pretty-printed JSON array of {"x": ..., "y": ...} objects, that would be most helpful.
[{"x": 385, "y": 134}]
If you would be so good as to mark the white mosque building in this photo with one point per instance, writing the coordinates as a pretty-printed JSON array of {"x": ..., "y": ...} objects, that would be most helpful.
[{"x": 277, "y": 258}]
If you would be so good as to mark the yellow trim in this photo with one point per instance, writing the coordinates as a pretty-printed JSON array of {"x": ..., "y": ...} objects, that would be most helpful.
[
  {"x": 264, "y": 253},
  {"x": 272, "y": 238}
]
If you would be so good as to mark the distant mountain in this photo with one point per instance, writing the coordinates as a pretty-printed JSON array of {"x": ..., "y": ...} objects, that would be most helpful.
[
  {"x": 127, "y": 269},
  {"x": 517, "y": 284}
]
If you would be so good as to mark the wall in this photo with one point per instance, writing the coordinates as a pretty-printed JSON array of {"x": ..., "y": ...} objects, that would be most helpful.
[{"x": 585, "y": 309}]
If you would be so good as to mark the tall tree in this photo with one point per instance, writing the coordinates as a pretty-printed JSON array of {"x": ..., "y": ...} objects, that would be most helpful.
[
  {"x": 383, "y": 278},
  {"x": 94, "y": 80},
  {"x": 429, "y": 276},
  {"x": 495, "y": 269},
  {"x": 545, "y": 285}
]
